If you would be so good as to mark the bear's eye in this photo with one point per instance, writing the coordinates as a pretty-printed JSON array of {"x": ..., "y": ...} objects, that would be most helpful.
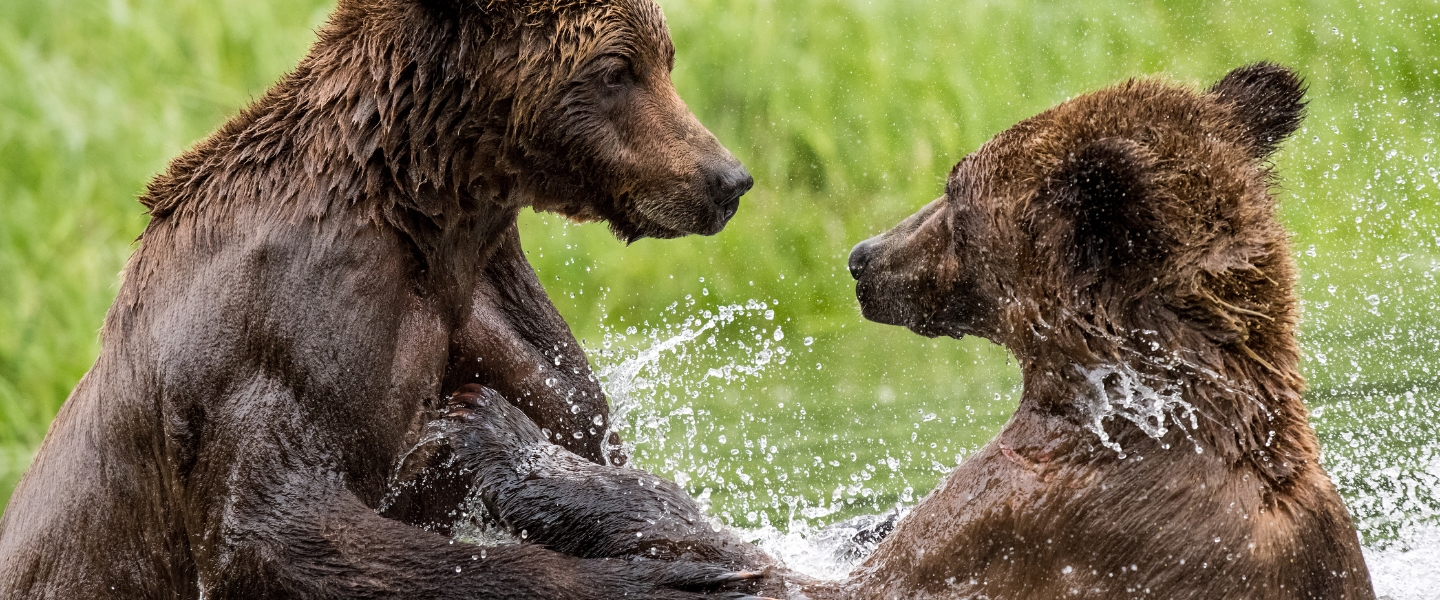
[{"x": 617, "y": 74}]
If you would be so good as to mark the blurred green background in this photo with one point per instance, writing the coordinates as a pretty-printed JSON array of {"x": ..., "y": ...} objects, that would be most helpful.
[{"x": 849, "y": 113}]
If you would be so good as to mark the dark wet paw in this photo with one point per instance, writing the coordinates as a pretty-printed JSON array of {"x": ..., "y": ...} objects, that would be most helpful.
[
  {"x": 484, "y": 426},
  {"x": 685, "y": 579},
  {"x": 698, "y": 577}
]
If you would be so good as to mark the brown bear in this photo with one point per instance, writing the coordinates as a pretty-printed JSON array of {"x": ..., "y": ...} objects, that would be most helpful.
[
  {"x": 1124, "y": 247},
  {"x": 318, "y": 272}
]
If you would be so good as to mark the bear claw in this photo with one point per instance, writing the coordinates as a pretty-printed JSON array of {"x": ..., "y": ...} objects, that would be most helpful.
[
  {"x": 739, "y": 576},
  {"x": 463, "y": 403}
]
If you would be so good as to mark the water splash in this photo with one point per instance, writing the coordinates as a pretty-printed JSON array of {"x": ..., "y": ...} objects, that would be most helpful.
[
  {"x": 653, "y": 377},
  {"x": 473, "y": 522},
  {"x": 828, "y": 553},
  {"x": 1408, "y": 566},
  {"x": 1409, "y": 571},
  {"x": 1119, "y": 391},
  {"x": 435, "y": 432},
  {"x": 1383, "y": 452},
  {"x": 633, "y": 374},
  {"x": 475, "y": 525}
]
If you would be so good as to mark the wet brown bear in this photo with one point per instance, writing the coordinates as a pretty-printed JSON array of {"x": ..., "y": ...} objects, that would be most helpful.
[
  {"x": 1124, "y": 247},
  {"x": 319, "y": 272}
]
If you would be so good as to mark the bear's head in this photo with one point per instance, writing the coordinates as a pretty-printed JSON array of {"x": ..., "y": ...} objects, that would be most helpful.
[
  {"x": 1145, "y": 206},
  {"x": 571, "y": 101}
]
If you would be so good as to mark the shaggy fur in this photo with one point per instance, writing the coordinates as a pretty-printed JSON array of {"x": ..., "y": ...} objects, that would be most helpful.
[
  {"x": 1124, "y": 247},
  {"x": 317, "y": 274}
]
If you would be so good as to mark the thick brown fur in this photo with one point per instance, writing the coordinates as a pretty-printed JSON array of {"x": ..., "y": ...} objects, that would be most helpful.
[
  {"x": 316, "y": 275},
  {"x": 1124, "y": 246}
]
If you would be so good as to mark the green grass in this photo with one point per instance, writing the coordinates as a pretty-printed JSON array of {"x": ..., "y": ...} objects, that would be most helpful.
[{"x": 849, "y": 113}]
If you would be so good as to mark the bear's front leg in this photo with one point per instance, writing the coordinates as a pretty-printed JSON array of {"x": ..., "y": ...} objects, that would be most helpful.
[
  {"x": 277, "y": 521},
  {"x": 515, "y": 342},
  {"x": 550, "y": 496}
]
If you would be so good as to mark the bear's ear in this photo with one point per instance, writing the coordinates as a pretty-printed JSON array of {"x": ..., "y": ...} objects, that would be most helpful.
[
  {"x": 1267, "y": 99},
  {"x": 1108, "y": 190}
]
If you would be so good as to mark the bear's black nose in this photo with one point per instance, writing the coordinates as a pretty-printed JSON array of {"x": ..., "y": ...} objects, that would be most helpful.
[
  {"x": 860, "y": 257},
  {"x": 726, "y": 188}
]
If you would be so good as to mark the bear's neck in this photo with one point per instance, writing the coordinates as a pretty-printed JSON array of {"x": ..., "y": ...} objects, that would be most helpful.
[{"x": 1177, "y": 387}]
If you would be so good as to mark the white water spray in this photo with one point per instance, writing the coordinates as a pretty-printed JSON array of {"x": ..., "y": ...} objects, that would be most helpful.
[{"x": 1122, "y": 392}]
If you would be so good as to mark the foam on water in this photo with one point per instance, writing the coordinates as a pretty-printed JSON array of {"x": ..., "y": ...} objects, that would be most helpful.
[{"x": 1408, "y": 567}]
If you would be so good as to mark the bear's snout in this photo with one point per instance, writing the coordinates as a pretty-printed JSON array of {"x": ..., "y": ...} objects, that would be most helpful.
[
  {"x": 725, "y": 187},
  {"x": 881, "y": 296},
  {"x": 860, "y": 257}
]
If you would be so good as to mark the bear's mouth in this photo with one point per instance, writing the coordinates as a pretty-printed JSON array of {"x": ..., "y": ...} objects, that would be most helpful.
[
  {"x": 892, "y": 305},
  {"x": 879, "y": 304},
  {"x": 932, "y": 328},
  {"x": 630, "y": 230},
  {"x": 677, "y": 217}
]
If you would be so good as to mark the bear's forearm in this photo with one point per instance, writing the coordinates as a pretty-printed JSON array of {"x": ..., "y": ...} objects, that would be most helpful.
[
  {"x": 336, "y": 547},
  {"x": 515, "y": 342},
  {"x": 550, "y": 496}
]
